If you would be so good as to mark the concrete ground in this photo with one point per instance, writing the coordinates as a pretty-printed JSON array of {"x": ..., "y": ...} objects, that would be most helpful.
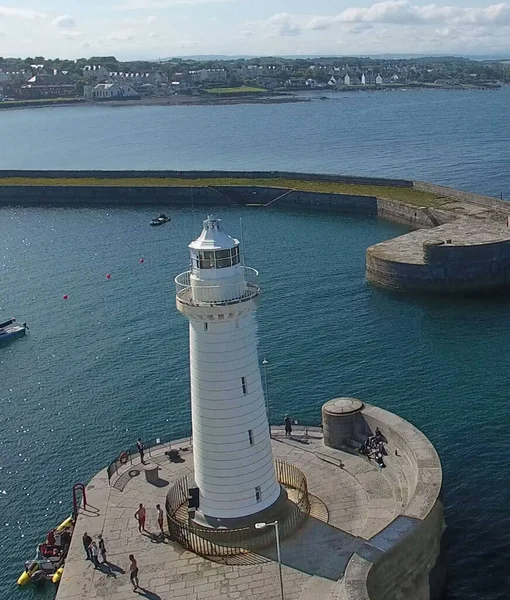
[{"x": 351, "y": 501}]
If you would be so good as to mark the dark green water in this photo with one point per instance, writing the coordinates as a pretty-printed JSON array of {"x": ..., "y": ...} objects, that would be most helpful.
[{"x": 110, "y": 364}]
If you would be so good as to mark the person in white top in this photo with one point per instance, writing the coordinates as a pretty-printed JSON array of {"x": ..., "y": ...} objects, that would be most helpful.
[{"x": 160, "y": 519}]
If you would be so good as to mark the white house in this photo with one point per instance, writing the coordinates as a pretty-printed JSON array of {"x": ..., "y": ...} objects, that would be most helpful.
[
  {"x": 332, "y": 81},
  {"x": 363, "y": 79},
  {"x": 97, "y": 71},
  {"x": 347, "y": 79},
  {"x": 104, "y": 91},
  {"x": 378, "y": 80},
  {"x": 312, "y": 83}
]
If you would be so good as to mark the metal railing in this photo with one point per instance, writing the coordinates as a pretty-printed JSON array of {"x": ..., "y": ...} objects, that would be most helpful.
[
  {"x": 231, "y": 542},
  {"x": 131, "y": 455},
  {"x": 216, "y": 295}
]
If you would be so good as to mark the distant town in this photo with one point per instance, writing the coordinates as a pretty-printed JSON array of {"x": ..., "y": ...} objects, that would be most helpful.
[{"x": 181, "y": 80}]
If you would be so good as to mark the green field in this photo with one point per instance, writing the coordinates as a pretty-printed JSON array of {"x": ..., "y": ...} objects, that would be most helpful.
[
  {"x": 236, "y": 90},
  {"x": 406, "y": 195},
  {"x": 40, "y": 101}
]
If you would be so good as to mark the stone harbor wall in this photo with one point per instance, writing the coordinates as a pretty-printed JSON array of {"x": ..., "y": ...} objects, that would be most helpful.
[
  {"x": 448, "y": 192},
  {"x": 447, "y": 262}
]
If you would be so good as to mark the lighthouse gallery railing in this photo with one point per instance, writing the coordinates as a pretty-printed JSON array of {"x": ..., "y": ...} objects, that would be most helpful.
[{"x": 201, "y": 295}]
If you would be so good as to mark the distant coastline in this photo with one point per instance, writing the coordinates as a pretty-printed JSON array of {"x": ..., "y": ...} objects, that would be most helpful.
[{"x": 298, "y": 95}]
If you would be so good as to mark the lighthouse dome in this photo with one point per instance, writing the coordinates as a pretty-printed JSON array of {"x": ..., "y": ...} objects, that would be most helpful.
[{"x": 213, "y": 237}]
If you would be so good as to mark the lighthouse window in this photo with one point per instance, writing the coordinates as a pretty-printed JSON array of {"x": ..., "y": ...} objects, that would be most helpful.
[
  {"x": 206, "y": 259},
  {"x": 250, "y": 436},
  {"x": 243, "y": 383},
  {"x": 258, "y": 493},
  {"x": 223, "y": 259},
  {"x": 206, "y": 326}
]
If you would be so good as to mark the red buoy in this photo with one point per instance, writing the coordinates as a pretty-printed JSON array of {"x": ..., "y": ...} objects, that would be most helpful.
[
  {"x": 65, "y": 296},
  {"x": 142, "y": 261},
  {"x": 108, "y": 275}
]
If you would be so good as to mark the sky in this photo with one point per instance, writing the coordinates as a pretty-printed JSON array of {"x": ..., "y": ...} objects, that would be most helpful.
[{"x": 151, "y": 29}]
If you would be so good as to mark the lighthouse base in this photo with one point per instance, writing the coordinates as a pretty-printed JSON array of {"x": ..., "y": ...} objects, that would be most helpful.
[{"x": 276, "y": 512}]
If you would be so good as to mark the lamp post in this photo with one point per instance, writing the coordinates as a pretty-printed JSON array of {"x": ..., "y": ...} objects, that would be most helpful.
[
  {"x": 278, "y": 551},
  {"x": 264, "y": 364}
]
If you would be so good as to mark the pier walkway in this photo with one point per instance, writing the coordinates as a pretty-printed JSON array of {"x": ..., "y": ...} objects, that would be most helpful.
[{"x": 351, "y": 501}]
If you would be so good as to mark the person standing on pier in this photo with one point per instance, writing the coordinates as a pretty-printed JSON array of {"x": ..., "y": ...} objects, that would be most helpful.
[
  {"x": 288, "y": 426},
  {"x": 87, "y": 540},
  {"x": 133, "y": 572},
  {"x": 102, "y": 548},
  {"x": 140, "y": 516},
  {"x": 139, "y": 445},
  {"x": 94, "y": 553},
  {"x": 160, "y": 519}
]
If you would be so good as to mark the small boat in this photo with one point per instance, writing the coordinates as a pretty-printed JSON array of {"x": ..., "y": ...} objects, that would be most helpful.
[
  {"x": 12, "y": 329},
  {"x": 160, "y": 220},
  {"x": 48, "y": 562}
]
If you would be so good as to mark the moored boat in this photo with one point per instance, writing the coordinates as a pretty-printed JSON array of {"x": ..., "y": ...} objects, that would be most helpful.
[
  {"x": 48, "y": 562},
  {"x": 160, "y": 220},
  {"x": 12, "y": 329}
]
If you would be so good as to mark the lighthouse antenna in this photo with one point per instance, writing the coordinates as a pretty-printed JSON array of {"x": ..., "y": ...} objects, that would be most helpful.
[{"x": 192, "y": 212}]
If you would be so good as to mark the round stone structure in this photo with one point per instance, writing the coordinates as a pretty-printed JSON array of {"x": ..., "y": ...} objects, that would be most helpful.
[{"x": 342, "y": 422}]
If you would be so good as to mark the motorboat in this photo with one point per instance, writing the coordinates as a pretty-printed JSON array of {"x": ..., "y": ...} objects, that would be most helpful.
[
  {"x": 48, "y": 562},
  {"x": 12, "y": 329},
  {"x": 160, "y": 220}
]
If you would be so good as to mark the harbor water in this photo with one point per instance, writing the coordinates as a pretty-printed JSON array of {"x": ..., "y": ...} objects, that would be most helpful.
[{"x": 110, "y": 363}]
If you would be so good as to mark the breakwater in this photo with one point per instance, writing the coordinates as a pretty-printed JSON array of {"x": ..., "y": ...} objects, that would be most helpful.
[{"x": 468, "y": 249}]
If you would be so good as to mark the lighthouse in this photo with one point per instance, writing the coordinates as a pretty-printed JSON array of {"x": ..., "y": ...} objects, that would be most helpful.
[{"x": 233, "y": 461}]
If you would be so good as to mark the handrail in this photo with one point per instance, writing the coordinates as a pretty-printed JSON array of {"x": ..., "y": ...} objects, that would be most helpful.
[
  {"x": 196, "y": 293},
  {"x": 131, "y": 454},
  {"x": 230, "y": 542}
]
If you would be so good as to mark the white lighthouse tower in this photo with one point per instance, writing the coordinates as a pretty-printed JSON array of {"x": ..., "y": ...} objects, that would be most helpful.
[{"x": 232, "y": 454}]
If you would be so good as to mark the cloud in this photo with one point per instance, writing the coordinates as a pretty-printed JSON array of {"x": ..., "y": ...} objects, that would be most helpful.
[
  {"x": 64, "y": 22},
  {"x": 284, "y": 24},
  {"x": 391, "y": 12},
  {"x": 20, "y": 13},
  {"x": 120, "y": 37},
  {"x": 71, "y": 35},
  {"x": 157, "y": 4}
]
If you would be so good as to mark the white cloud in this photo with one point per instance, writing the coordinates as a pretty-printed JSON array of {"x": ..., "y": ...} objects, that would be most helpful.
[
  {"x": 284, "y": 24},
  {"x": 20, "y": 13},
  {"x": 391, "y": 12},
  {"x": 64, "y": 22},
  {"x": 71, "y": 35},
  {"x": 157, "y": 4},
  {"x": 120, "y": 37}
]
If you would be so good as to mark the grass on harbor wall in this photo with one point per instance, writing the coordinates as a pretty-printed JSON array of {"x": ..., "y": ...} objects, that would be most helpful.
[
  {"x": 40, "y": 101},
  {"x": 236, "y": 90},
  {"x": 406, "y": 195}
]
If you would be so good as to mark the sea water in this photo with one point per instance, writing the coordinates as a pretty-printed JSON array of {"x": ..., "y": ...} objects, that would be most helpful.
[{"x": 109, "y": 364}]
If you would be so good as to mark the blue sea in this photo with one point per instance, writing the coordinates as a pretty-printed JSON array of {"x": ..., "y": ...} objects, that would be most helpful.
[{"x": 110, "y": 364}]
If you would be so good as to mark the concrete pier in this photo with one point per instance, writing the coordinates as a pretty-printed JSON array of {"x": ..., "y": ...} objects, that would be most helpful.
[
  {"x": 464, "y": 256},
  {"x": 372, "y": 534}
]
